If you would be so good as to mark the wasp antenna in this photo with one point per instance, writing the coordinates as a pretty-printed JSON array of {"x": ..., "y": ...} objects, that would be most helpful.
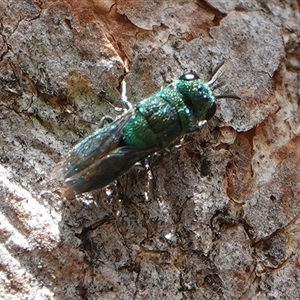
[
  {"x": 230, "y": 96},
  {"x": 217, "y": 85},
  {"x": 219, "y": 72}
]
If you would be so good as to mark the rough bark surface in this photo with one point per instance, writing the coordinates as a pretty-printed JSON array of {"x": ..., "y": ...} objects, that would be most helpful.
[{"x": 219, "y": 220}]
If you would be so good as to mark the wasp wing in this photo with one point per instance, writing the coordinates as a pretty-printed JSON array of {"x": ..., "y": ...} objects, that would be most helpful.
[
  {"x": 106, "y": 169},
  {"x": 100, "y": 158},
  {"x": 92, "y": 148}
]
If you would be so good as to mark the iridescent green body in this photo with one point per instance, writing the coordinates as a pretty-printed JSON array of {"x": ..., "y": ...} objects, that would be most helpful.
[
  {"x": 149, "y": 126},
  {"x": 170, "y": 113}
]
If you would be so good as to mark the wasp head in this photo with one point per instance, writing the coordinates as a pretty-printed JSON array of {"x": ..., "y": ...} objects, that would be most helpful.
[{"x": 198, "y": 95}]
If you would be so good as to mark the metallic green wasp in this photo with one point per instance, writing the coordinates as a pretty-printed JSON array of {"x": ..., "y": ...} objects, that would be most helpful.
[{"x": 149, "y": 126}]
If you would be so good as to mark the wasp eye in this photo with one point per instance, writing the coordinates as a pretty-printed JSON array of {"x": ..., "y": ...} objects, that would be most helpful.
[{"x": 189, "y": 76}]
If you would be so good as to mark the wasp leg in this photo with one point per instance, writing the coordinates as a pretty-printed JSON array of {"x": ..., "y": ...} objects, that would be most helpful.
[
  {"x": 124, "y": 98},
  {"x": 146, "y": 163},
  {"x": 139, "y": 166},
  {"x": 177, "y": 147},
  {"x": 146, "y": 166},
  {"x": 152, "y": 183},
  {"x": 126, "y": 103},
  {"x": 105, "y": 120},
  {"x": 199, "y": 126}
]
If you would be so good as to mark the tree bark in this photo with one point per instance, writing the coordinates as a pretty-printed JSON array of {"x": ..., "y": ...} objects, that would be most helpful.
[{"x": 216, "y": 219}]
